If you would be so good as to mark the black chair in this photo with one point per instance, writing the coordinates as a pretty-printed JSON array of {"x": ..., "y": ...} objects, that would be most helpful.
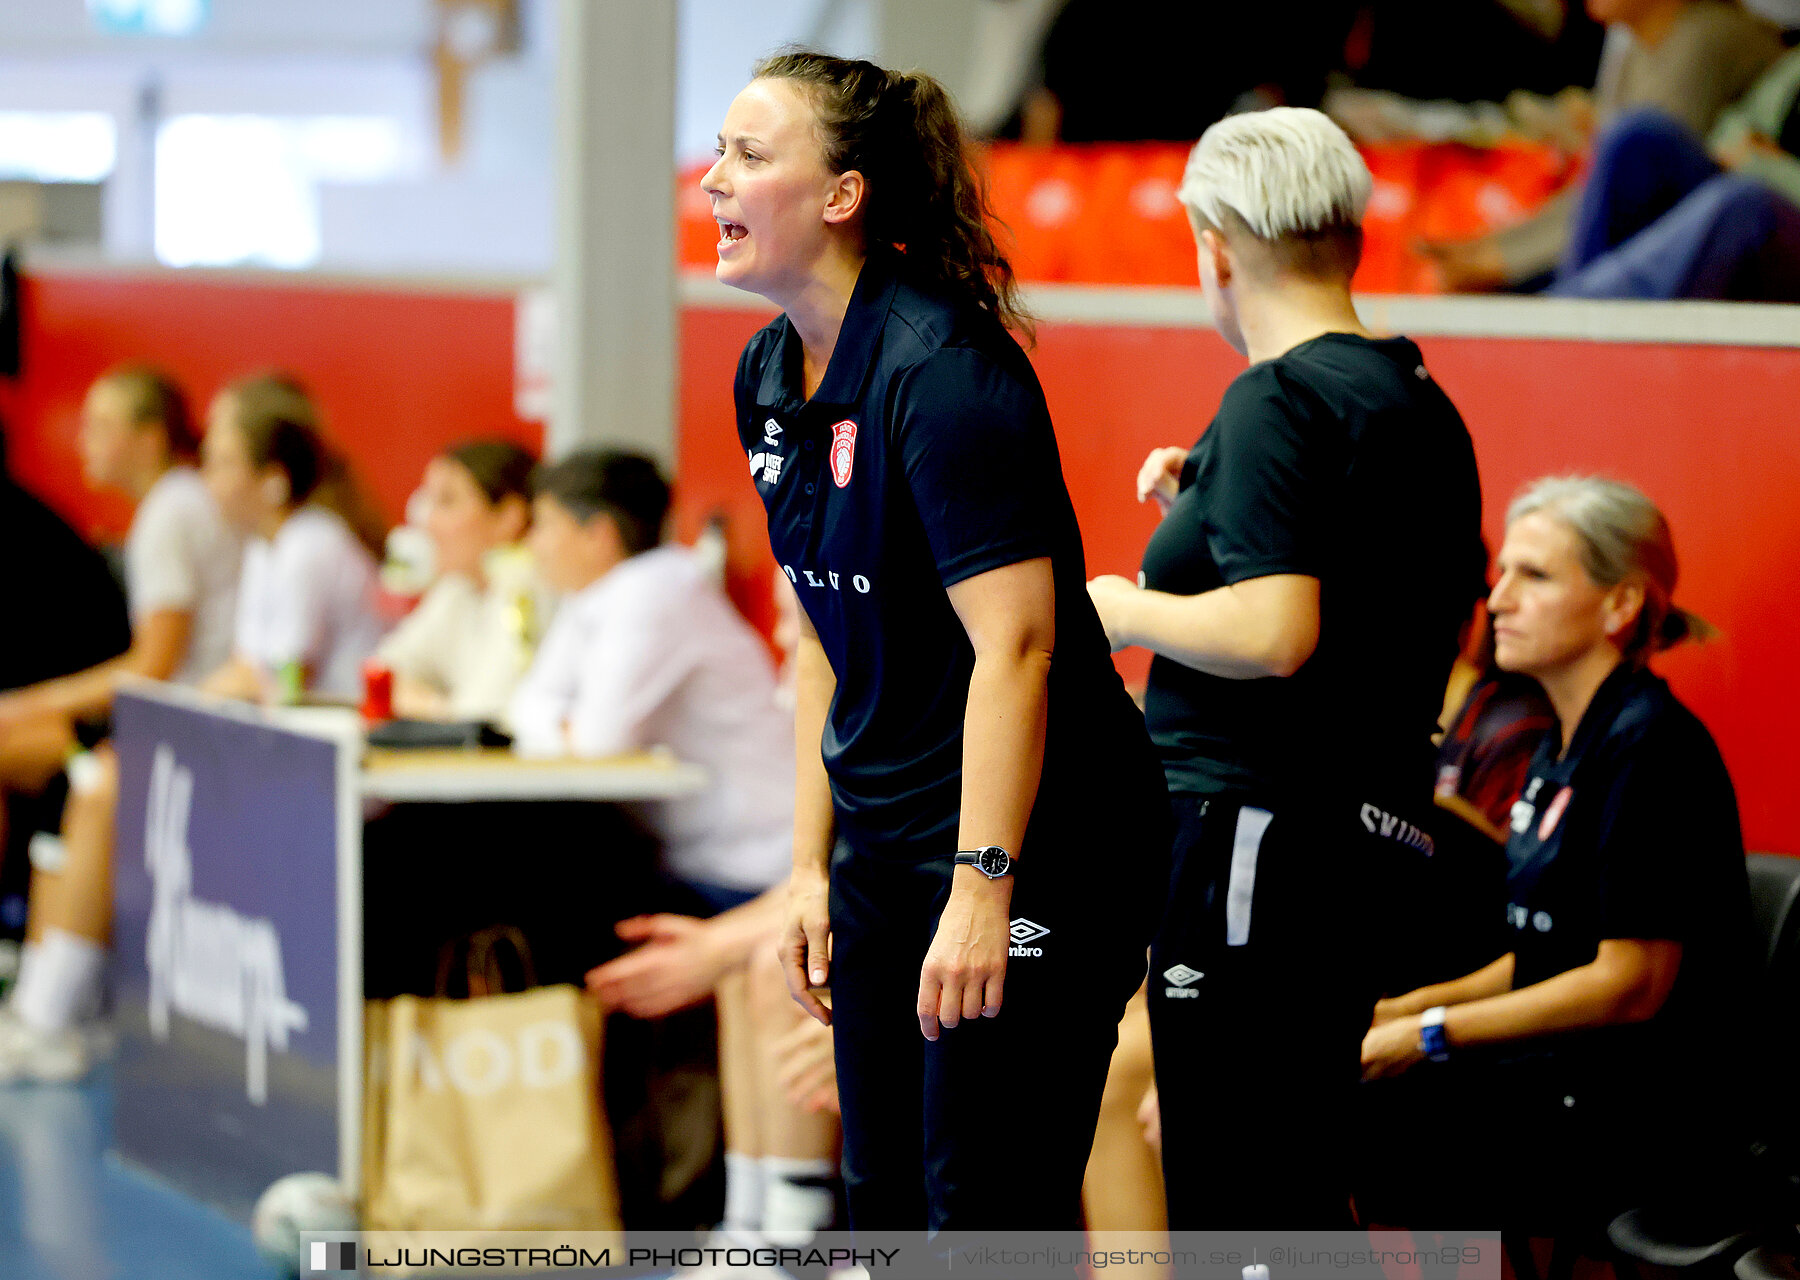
[
  {"x": 1709, "y": 1240},
  {"x": 1775, "y": 906},
  {"x": 1768, "y": 1263}
]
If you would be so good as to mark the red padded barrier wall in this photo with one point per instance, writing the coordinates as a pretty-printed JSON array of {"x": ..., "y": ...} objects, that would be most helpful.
[
  {"x": 1707, "y": 430},
  {"x": 399, "y": 373}
]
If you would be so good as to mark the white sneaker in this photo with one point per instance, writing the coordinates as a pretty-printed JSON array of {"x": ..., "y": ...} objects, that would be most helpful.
[{"x": 31, "y": 1056}]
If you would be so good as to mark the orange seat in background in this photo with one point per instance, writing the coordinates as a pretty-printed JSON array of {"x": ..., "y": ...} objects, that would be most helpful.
[{"x": 1108, "y": 214}]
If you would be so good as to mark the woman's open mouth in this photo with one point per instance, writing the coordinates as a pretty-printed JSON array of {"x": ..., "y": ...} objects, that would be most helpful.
[{"x": 730, "y": 232}]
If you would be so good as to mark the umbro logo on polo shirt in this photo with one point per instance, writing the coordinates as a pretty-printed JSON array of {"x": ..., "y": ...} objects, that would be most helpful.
[
  {"x": 1024, "y": 931},
  {"x": 1182, "y": 980}
]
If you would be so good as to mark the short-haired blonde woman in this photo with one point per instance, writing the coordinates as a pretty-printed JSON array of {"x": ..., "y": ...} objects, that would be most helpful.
[
  {"x": 1319, "y": 550},
  {"x": 1594, "y": 1055}
]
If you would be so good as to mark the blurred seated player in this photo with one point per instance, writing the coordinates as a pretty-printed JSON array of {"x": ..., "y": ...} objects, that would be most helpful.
[
  {"x": 1123, "y": 1190},
  {"x": 77, "y": 620},
  {"x": 1665, "y": 214},
  {"x": 780, "y": 1099},
  {"x": 1686, "y": 58},
  {"x": 306, "y": 605},
  {"x": 181, "y": 564},
  {"x": 646, "y": 651},
  {"x": 462, "y": 651},
  {"x": 1580, "y": 1073},
  {"x": 1494, "y": 720},
  {"x": 1112, "y": 73}
]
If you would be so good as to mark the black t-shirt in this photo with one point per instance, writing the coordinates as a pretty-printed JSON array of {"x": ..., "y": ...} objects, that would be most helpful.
[
  {"x": 1339, "y": 460},
  {"x": 69, "y": 610},
  {"x": 925, "y": 457},
  {"x": 1634, "y": 834}
]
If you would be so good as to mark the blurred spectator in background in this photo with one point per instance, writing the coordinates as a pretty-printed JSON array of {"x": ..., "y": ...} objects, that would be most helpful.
[
  {"x": 67, "y": 614},
  {"x": 181, "y": 561},
  {"x": 1121, "y": 73},
  {"x": 1494, "y": 720},
  {"x": 780, "y": 1143},
  {"x": 781, "y": 1150},
  {"x": 1784, "y": 14},
  {"x": 306, "y": 615},
  {"x": 461, "y": 652},
  {"x": 1474, "y": 51},
  {"x": 181, "y": 566},
  {"x": 647, "y": 651},
  {"x": 76, "y": 610},
  {"x": 1688, "y": 58},
  {"x": 1663, "y": 215}
]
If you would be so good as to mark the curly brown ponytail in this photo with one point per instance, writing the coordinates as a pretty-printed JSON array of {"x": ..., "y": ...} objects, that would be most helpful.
[{"x": 926, "y": 204}]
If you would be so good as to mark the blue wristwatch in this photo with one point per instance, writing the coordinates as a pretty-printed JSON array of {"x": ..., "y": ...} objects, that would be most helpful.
[{"x": 1432, "y": 1040}]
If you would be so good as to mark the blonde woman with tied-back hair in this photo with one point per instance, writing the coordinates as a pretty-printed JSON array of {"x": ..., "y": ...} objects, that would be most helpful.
[
  {"x": 1581, "y": 1072},
  {"x": 1318, "y": 551}
]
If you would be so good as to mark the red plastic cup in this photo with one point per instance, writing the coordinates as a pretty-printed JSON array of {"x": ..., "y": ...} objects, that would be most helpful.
[{"x": 378, "y": 691}]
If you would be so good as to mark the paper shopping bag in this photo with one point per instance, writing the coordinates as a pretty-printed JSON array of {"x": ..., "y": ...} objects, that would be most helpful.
[{"x": 485, "y": 1114}]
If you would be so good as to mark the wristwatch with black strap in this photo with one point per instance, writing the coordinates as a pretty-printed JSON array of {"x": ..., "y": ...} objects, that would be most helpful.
[{"x": 993, "y": 861}]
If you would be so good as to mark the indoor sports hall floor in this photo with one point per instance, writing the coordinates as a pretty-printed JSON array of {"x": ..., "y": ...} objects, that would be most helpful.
[{"x": 71, "y": 1211}]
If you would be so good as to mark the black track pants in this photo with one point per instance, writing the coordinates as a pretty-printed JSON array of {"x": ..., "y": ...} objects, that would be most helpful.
[
  {"x": 990, "y": 1126},
  {"x": 1262, "y": 983}
]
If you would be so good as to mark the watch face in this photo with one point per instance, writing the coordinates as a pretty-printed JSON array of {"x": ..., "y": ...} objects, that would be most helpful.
[{"x": 994, "y": 861}]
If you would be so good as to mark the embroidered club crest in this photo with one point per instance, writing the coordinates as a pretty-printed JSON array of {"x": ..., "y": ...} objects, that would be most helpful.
[
  {"x": 843, "y": 451},
  {"x": 1554, "y": 813}
]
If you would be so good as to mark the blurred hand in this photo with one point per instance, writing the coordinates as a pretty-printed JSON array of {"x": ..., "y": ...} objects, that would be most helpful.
[
  {"x": 807, "y": 1070},
  {"x": 1391, "y": 1048},
  {"x": 1112, "y": 596},
  {"x": 1744, "y": 148},
  {"x": 674, "y": 967},
  {"x": 1160, "y": 476},
  {"x": 1466, "y": 266}
]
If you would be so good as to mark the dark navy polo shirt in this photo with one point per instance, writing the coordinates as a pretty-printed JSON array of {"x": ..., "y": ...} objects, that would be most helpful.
[
  {"x": 1340, "y": 460},
  {"x": 926, "y": 457},
  {"x": 1633, "y": 833}
]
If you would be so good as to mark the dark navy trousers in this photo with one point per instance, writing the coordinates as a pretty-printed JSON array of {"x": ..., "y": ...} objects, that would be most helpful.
[
  {"x": 1658, "y": 218},
  {"x": 990, "y": 1126}
]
